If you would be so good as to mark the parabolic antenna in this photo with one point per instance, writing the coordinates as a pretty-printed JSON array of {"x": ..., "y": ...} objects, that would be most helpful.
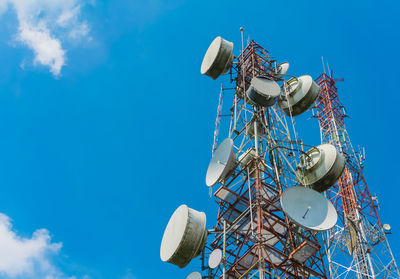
[
  {"x": 320, "y": 167},
  {"x": 282, "y": 69},
  {"x": 218, "y": 58},
  {"x": 215, "y": 258},
  {"x": 194, "y": 275},
  {"x": 302, "y": 93},
  {"x": 222, "y": 162},
  {"x": 185, "y": 236},
  {"x": 263, "y": 91},
  {"x": 308, "y": 208}
]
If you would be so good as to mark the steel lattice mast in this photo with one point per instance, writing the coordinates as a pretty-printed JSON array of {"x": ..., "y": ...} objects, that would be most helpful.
[
  {"x": 257, "y": 238},
  {"x": 358, "y": 246},
  {"x": 273, "y": 220}
]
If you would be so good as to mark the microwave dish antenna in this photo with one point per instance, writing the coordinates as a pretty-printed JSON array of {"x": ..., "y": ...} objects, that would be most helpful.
[
  {"x": 263, "y": 91},
  {"x": 185, "y": 236},
  {"x": 218, "y": 58},
  {"x": 320, "y": 167},
  {"x": 215, "y": 258},
  {"x": 308, "y": 208},
  {"x": 282, "y": 69},
  {"x": 222, "y": 163},
  {"x": 194, "y": 275},
  {"x": 301, "y": 94}
]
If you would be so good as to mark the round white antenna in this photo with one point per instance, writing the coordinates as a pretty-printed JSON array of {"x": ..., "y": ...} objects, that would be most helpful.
[
  {"x": 221, "y": 164},
  {"x": 263, "y": 91},
  {"x": 194, "y": 275},
  {"x": 282, "y": 69},
  {"x": 185, "y": 236},
  {"x": 301, "y": 95},
  {"x": 308, "y": 208},
  {"x": 215, "y": 258},
  {"x": 387, "y": 227},
  {"x": 218, "y": 58},
  {"x": 320, "y": 167}
]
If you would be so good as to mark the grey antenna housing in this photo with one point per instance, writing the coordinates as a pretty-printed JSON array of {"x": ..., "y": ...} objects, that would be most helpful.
[
  {"x": 250, "y": 128},
  {"x": 282, "y": 69},
  {"x": 308, "y": 208},
  {"x": 320, "y": 167},
  {"x": 218, "y": 58},
  {"x": 301, "y": 95},
  {"x": 184, "y": 237},
  {"x": 245, "y": 158},
  {"x": 263, "y": 91},
  {"x": 221, "y": 164}
]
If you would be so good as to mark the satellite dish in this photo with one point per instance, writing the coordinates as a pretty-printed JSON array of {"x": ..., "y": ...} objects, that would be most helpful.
[
  {"x": 308, "y": 208},
  {"x": 320, "y": 167},
  {"x": 245, "y": 158},
  {"x": 194, "y": 275},
  {"x": 215, "y": 258},
  {"x": 282, "y": 69},
  {"x": 218, "y": 58},
  {"x": 221, "y": 164},
  {"x": 185, "y": 236},
  {"x": 301, "y": 95},
  {"x": 263, "y": 91}
]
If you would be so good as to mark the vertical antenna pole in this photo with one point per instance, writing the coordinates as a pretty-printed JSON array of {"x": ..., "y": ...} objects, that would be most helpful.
[
  {"x": 256, "y": 136},
  {"x": 323, "y": 64},
  {"x": 223, "y": 256}
]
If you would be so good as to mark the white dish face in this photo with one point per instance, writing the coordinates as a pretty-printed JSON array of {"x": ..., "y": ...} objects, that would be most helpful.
[
  {"x": 173, "y": 234},
  {"x": 211, "y": 55},
  {"x": 221, "y": 163},
  {"x": 184, "y": 236},
  {"x": 263, "y": 91},
  {"x": 215, "y": 258},
  {"x": 266, "y": 87},
  {"x": 218, "y": 58},
  {"x": 282, "y": 69},
  {"x": 194, "y": 275},
  {"x": 308, "y": 208}
]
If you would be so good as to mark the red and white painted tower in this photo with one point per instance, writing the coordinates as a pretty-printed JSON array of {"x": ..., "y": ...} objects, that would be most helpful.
[{"x": 358, "y": 246}]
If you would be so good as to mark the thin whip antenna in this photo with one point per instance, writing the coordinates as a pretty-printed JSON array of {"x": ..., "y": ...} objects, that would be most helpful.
[
  {"x": 243, "y": 76},
  {"x": 241, "y": 33},
  {"x": 323, "y": 64}
]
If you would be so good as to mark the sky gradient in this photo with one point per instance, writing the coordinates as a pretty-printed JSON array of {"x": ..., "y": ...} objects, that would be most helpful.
[{"x": 107, "y": 124}]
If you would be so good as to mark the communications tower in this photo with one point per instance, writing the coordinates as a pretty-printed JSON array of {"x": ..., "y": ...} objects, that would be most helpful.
[
  {"x": 358, "y": 246},
  {"x": 285, "y": 209}
]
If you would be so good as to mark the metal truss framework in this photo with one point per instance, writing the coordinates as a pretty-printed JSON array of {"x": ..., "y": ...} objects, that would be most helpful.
[
  {"x": 257, "y": 238},
  {"x": 357, "y": 247}
]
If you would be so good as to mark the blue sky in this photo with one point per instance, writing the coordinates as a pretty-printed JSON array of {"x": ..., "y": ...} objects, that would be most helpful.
[{"x": 107, "y": 124}]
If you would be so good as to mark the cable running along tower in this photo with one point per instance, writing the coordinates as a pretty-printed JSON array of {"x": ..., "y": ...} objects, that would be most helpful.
[{"x": 286, "y": 209}]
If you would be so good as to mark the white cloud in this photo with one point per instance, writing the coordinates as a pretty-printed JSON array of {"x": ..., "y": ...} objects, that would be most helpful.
[
  {"x": 22, "y": 257},
  {"x": 44, "y": 24},
  {"x": 47, "y": 49}
]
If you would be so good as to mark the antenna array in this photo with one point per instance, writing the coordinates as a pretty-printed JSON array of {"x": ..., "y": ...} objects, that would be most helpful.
[{"x": 274, "y": 220}]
